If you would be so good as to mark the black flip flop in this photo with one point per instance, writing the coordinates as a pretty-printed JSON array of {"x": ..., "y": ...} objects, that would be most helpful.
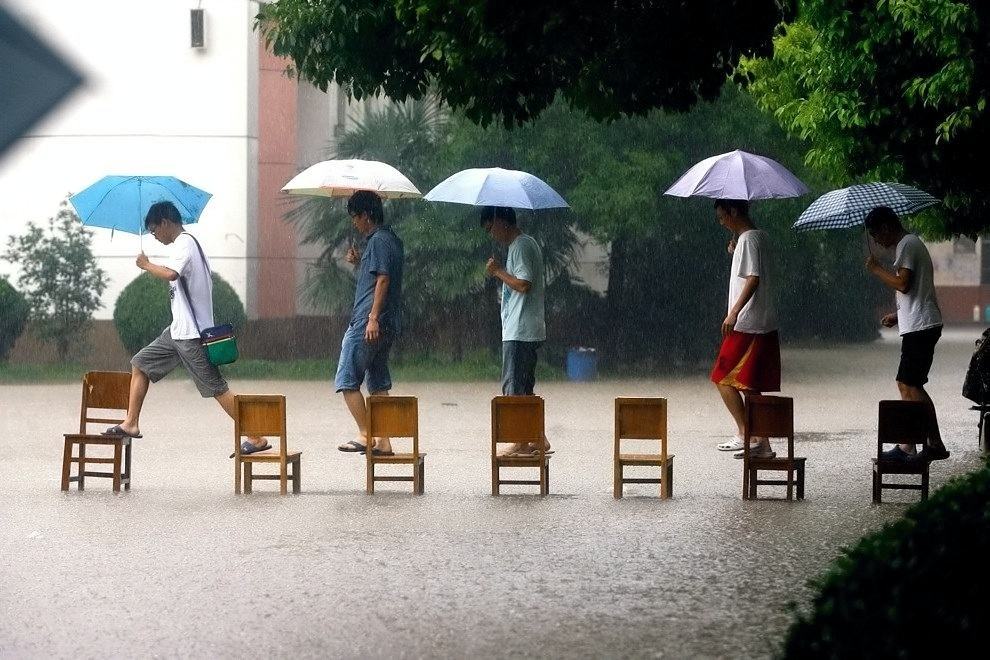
[
  {"x": 115, "y": 430},
  {"x": 352, "y": 446}
]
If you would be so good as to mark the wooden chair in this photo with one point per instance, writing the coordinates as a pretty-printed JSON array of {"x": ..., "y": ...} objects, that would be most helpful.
[
  {"x": 901, "y": 422},
  {"x": 519, "y": 419},
  {"x": 394, "y": 417},
  {"x": 263, "y": 415},
  {"x": 771, "y": 417},
  {"x": 107, "y": 391},
  {"x": 642, "y": 419}
]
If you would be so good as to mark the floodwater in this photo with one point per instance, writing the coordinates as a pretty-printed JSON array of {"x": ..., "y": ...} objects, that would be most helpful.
[{"x": 180, "y": 566}]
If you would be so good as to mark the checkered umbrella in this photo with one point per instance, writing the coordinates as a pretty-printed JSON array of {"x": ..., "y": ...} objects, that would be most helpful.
[{"x": 848, "y": 207}]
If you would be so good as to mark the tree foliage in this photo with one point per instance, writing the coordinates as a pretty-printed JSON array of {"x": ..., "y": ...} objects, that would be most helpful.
[
  {"x": 509, "y": 60},
  {"x": 59, "y": 277},
  {"x": 888, "y": 90},
  {"x": 143, "y": 309},
  {"x": 14, "y": 313}
]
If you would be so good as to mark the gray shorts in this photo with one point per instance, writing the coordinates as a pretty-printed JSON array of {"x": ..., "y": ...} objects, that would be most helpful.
[{"x": 160, "y": 357}]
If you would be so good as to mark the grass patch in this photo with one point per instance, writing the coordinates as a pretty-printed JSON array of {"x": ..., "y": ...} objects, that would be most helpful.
[{"x": 480, "y": 366}]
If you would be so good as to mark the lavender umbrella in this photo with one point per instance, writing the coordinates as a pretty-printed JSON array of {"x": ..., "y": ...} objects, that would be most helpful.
[{"x": 738, "y": 175}]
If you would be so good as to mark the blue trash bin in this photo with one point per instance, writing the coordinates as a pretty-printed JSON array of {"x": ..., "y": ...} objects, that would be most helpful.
[{"x": 582, "y": 363}]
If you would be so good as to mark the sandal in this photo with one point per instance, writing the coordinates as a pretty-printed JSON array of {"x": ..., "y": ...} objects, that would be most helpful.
[
  {"x": 379, "y": 452},
  {"x": 731, "y": 445},
  {"x": 352, "y": 446},
  {"x": 251, "y": 448},
  {"x": 119, "y": 432}
]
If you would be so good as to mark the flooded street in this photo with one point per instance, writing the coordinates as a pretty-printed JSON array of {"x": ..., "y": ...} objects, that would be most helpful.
[{"x": 180, "y": 566}]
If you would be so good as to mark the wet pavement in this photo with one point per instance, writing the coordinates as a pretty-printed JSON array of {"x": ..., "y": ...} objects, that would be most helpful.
[{"x": 180, "y": 566}]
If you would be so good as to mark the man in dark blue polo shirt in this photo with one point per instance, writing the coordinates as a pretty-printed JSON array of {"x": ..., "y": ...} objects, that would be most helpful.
[{"x": 376, "y": 318}]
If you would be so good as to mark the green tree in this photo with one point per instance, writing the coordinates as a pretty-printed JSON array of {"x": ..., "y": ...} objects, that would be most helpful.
[
  {"x": 888, "y": 90},
  {"x": 59, "y": 277},
  {"x": 14, "y": 313},
  {"x": 510, "y": 60}
]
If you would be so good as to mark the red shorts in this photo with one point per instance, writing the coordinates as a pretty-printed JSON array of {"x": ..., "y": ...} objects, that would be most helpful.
[{"x": 749, "y": 362}]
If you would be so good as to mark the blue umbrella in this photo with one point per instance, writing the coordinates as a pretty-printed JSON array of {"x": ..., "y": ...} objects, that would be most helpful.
[
  {"x": 494, "y": 186},
  {"x": 122, "y": 202}
]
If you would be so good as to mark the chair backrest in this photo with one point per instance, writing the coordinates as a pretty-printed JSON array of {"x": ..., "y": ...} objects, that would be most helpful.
[
  {"x": 393, "y": 417},
  {"x": 260, "y": 415},
  {"x": 517, "y": 419},
  {"x": 639, "y": 418},
  {"x": 103, "y": 390},
  {"x": 769, "y": 416},
  {"x": 902, "y": 422}
]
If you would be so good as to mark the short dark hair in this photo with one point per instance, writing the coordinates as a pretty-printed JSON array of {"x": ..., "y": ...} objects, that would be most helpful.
[
  {"x": 740, "y": 205},
  {"x": 882, "y": 216},
  {"x": 161, "y": 212},
  {"x": 365, "y": 201},
  {"x": 505, "y": 213}
]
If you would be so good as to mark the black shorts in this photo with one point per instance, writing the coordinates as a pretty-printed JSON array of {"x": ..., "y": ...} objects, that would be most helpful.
[{"x": 917, "y": 352}]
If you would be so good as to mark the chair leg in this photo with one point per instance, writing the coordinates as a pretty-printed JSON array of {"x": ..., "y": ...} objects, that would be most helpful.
[
  {"x": 745, "y": 479},
  {"x": 877, "y": 487},
  {"x": 800, "y": 483},
  {"x": 422, "y": 476},
  {"x": 82, "y": 466},
  {"x": 283, "y": 481},
  {"x": 924, "y": 486},
  {"x": 752, "y": 477},
  {"x": 617, "y": 480},
  {"x": 790, "y": 485},
  {"x": 237, "y": 476},
  {"x": 116, "y": 466},
  {"x": 668, "y": 481},
  {"x": 370, "y": 478},
  {"x": 66, "y": 463},
  {"x": 127, "y": 465},
  {"x": 417, "y": 477},
  {"x": 546, "y": 479},
  {"x": 248, "y": 475},
  {"x": 296, "y": 475},
  {"x": 495, "y": 483}
]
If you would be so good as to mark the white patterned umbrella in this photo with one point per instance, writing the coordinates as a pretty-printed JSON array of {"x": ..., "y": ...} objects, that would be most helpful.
[
  {"x": 848, "y": 207},
  {"x": 342, "y": 178}
]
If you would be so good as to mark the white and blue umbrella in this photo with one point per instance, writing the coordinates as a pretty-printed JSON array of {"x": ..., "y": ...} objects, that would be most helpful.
[
  {"x": 848, "y": 207},
  {"x": 122, "y": 202},
  {"x": 494, "y": 186},
  {"x": 738, "y": 175}
]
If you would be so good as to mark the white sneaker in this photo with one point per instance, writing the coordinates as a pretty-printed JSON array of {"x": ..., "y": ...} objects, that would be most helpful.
[
  {"x": 757, "y": 450},
  {"x": 731, "y": 445}
]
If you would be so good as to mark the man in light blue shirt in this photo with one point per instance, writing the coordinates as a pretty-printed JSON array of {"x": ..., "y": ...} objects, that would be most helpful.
[{"x": 524, "y": 327}]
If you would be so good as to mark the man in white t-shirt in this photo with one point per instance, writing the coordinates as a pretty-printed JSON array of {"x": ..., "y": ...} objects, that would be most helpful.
[
  {"x": 918, "y": 318},
  {"x": 749, "y": 358},
  {"x": 180, "y": 342}
]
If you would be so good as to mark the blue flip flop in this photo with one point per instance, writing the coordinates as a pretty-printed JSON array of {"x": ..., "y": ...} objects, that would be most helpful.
[
  {"x": 119, "y": 432},
  {"x": 251, "y": 448}
]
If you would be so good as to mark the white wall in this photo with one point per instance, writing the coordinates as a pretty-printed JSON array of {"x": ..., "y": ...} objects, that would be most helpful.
[{"x": 150, "y": 105}]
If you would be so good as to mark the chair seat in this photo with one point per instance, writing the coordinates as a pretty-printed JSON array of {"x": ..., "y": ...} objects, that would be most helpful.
[
  {"x": 98, "y": 438},
  {"x": 899, "y": 467},
  {"x": 526, "y": 461},
  {"x": 643, "y": 459},
  {"x": 270, "y": 456},
  {"x": 779, "y": 463},
  {"x": 397, "y": 458}
]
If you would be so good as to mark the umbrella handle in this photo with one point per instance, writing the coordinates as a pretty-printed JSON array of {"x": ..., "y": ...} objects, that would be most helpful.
[{"x": 866, "y": 238}]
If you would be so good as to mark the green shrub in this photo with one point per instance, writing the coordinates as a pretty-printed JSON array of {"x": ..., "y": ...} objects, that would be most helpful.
[
  {"x": 14, "y": 313},
  {"x": 142, "y": 310},
  {"x": 918, "y": 588}
]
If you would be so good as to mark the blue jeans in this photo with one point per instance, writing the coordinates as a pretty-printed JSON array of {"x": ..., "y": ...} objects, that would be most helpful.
[
  {"x": 519, "y": 366},
  {"x": 360, "y": 360}
]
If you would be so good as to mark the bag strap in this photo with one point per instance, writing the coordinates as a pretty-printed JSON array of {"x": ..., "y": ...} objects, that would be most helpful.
[{"x": 185, "y": 289}]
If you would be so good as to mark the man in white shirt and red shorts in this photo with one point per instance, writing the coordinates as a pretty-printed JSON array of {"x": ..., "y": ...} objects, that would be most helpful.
[{"x": 749, "y": 358}]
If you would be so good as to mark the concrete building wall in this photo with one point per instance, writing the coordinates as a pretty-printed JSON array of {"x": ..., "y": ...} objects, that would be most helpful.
[{"x": 150, "y": 104}]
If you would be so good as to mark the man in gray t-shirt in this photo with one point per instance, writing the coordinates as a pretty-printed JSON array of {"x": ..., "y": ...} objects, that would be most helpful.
[
  {"x": 524, "y": 326},
  {"x": 918, "y": 318}
]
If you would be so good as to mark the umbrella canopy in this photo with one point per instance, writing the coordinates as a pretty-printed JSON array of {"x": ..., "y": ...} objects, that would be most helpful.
[
  {"x": 494, "y": 186},
  {"x": 738, "y": 175},
  {"x": 33, "y": 79},
  {"x": 342, "y": 178},
  {"x": 122, "y": 202},
  {"x": 848, "y": 207}
]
